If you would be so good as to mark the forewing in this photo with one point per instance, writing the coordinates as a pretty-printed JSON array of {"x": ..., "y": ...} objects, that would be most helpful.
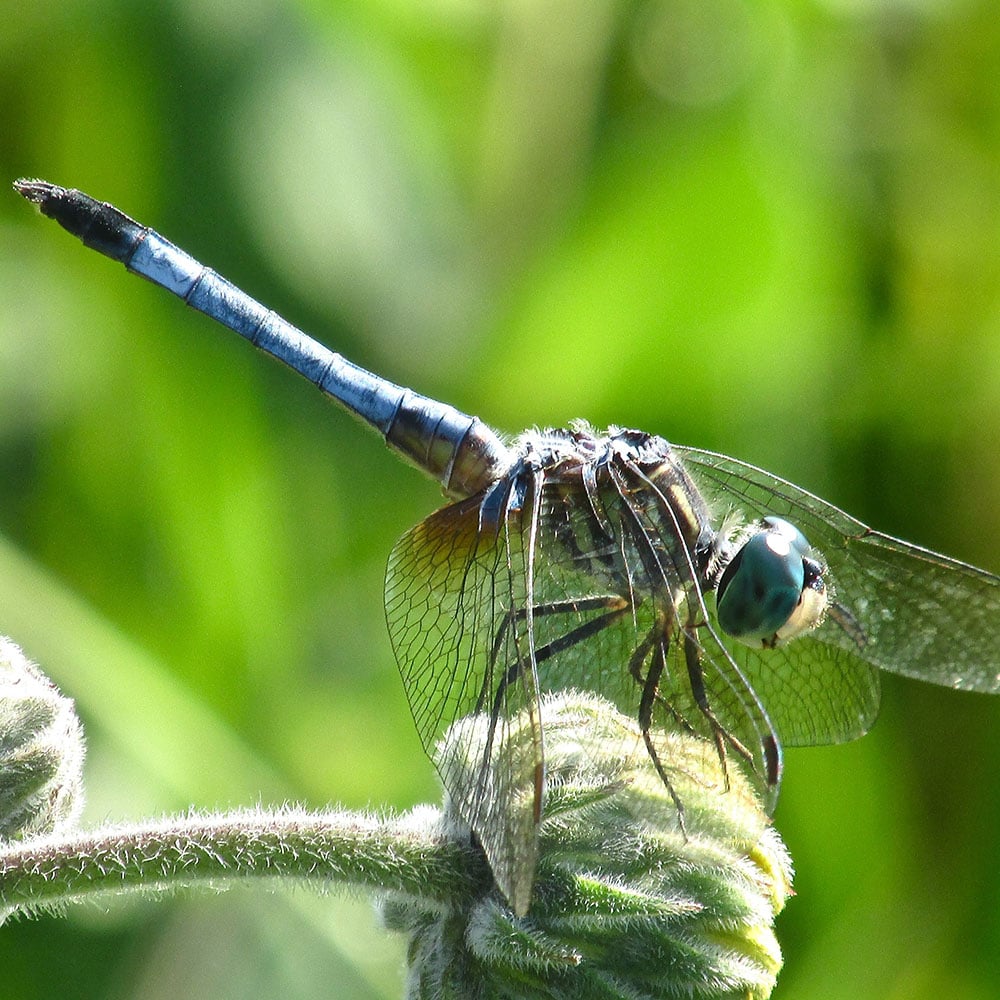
[{"x": 908, "y": 610}]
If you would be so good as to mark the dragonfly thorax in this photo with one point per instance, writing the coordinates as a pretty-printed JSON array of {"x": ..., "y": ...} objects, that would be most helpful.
[{"x": 615, "y": 498}]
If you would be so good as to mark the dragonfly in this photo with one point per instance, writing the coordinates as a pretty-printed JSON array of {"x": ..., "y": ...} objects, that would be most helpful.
[{"x": 691, "y": 589}]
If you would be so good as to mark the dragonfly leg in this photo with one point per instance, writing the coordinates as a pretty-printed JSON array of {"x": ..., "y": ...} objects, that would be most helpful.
[
  {"x": 696, "y": 678},
  {"x": 655, "y": 641},
  {"x": 614, "y": 607}
]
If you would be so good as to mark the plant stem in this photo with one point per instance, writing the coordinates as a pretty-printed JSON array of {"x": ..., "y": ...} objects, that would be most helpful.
[{"x": 339, "y": 847}]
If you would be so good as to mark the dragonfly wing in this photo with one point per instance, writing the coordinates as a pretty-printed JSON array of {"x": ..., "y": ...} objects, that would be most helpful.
[
  {"x": 453, "y": 593},
  {"x": 816, "y": 692},
  {"x": 925, "y": 615},
  {"x": 897, "y": 607}
]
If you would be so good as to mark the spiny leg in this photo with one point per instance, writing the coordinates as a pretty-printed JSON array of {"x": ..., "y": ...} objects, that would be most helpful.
[
  {"x": 615, "y": 606},
  {"x": 650, "y": 687},
  {"x": 654, "y": 647},
  {"x": 696, "y": 678},
  {"x": 769, "y": 742}
]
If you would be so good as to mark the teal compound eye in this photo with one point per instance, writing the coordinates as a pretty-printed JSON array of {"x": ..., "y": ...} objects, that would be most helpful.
[{"x": 772, "y": 589}]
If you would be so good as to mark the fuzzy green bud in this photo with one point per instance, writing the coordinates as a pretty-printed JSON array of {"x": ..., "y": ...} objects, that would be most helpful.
[
  {"x": 41, "y": 751},
  {"x": 627, "y": 901}
]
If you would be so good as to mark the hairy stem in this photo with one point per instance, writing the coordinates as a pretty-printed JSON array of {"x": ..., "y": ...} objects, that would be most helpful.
[{"x": 337, "y": 847}]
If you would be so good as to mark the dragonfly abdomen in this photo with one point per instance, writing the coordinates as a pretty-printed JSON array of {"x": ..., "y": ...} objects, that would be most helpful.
[{"x": 460, "y": 451}]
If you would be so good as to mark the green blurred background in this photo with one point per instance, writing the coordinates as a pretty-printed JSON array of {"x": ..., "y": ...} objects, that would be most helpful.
[{"x": 765, "y": 228}]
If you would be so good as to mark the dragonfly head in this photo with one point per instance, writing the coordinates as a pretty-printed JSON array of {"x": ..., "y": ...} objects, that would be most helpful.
[{"x": 771, "y": 590}]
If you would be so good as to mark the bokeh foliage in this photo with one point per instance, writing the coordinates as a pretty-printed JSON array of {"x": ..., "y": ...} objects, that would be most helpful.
[{"x": 767, "y": 228}]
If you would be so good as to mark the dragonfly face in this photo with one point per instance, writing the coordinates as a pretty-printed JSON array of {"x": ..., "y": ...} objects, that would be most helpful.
[{"x": 675, "y": 582}]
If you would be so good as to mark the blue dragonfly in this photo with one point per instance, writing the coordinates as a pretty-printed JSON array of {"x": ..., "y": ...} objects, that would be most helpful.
[{"x": 691, "y": 589}]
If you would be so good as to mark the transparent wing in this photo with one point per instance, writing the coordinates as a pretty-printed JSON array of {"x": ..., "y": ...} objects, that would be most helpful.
[
  {"x": 485, "y": 614},
  {"x": 446, "y": 588},
  {"x": 905, "y": 609},
  {"x": 455, "y": 599}
]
